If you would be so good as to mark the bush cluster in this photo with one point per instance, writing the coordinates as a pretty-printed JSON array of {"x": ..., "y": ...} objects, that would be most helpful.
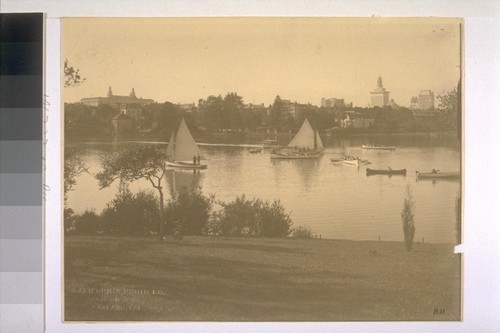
[
  {"x": 250, "y": 218},
  {"x": 131, "y": 214},
  {"x": 187, "y": 213},
  {"x": 302, "y": 231}
]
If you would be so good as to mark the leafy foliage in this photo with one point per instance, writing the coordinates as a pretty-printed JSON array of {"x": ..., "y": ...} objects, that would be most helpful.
[
  {"x": 146, "y": 162},
  {"x": 73, "y": 167},
  {"x": 88, "y": 223},
  {"x": 448, "y": 106},
  {"x": 132, "y": 214},
  {"x": 250, "y": 218},
  {"x": 302, "y": 231},
  {"x": 72, "y": 77},
  {"x": 408, "y": 218},
  {"x": 188, "y": 213}
]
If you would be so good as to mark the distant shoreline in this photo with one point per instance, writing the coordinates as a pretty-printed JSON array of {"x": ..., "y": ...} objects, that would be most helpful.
[{"x": 251, "y": 138}]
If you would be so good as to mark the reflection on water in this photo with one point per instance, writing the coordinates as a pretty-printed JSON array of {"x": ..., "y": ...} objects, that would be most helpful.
[
  {"x": 336, "y": 200},
  {"x": 179, "y": 180}
]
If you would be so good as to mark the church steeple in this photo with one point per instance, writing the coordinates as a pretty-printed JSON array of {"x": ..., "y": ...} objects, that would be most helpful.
[{"x": 110, "y": 93}]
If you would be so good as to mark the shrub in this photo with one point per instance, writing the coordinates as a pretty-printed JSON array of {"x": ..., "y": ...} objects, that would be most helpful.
[
  {"x": 302, "y": 231},
  {"x": 247, "y": 218},
  {"x": 69, "y": 220},
  {"x": 408, "y": 218},
  {"x": 132, "y": 214},
  {"x": 87, "y": 223},
  {"x": 188, "y": 213}
]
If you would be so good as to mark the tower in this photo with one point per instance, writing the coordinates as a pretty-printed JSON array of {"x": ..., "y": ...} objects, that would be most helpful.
[
  {"x": 132, "y": 94},
  {"x": 380, "y": 96},
  {"x": 110, "y": 93}
]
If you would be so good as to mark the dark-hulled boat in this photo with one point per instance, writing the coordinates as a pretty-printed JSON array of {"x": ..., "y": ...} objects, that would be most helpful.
[{"x": 370, "y": 172}]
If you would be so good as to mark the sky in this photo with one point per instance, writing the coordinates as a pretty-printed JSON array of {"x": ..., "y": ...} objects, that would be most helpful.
[{"x": 182, "y": 60}]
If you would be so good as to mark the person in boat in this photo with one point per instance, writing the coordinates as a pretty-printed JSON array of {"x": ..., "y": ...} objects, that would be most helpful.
[
  {"x": 434, "y": 170},
  {"x": 194, "y": 159},
  {"x": 389, "y": 168},
  {"x": 198, "y": 159}
]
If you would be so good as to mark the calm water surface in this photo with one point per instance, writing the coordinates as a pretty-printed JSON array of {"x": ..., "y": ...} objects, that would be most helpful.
[{"x": 337, "y": 200}]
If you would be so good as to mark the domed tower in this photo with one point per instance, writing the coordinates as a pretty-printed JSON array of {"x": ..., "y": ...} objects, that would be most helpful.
[{"x": 380, "y": 96}]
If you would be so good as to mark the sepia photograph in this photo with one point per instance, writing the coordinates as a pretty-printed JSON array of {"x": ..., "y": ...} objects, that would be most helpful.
[{"x": 262, "y": 169}]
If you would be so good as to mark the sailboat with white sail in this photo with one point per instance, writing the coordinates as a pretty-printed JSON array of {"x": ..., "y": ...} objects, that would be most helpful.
[
  {"x": 306, "y": 144},
  {"x": 182, "y": 150}
]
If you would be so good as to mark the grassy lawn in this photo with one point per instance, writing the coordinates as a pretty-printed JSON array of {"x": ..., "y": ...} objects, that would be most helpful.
[{"x": 229, "y": 279}]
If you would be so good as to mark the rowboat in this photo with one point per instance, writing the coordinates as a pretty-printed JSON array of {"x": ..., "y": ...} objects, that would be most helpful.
[
  {"x": 370, "y": 172},
  {"x": 351, "y": 160},
  {"x": 378, "y": 147},
  {"x": 433, "y": 175}
]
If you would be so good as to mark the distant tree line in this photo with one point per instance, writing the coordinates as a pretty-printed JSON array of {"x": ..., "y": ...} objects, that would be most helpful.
[{"x": 230, "y": 113}]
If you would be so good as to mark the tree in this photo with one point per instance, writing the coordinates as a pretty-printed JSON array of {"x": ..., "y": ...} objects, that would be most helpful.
[
  {"x": 72, "y": 77},
  {"x": 408, "y": 218},
  {"x": 448, "y": 106},
  {"x": 213, "y": 111},
  {"x": 73, "y": 167},
  {"x": 147, "y": 162},
  {"x": 233, "y": 106},
  {"x": 277, "y": 111}
]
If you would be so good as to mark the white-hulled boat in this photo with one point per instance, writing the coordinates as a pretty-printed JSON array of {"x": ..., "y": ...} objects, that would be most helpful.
[
  {"x": 306, "y": 144},
  {"x": 378, "y": 147},
  {"x": 351, "y": 160},
  {"x": 182, "y": 150}
]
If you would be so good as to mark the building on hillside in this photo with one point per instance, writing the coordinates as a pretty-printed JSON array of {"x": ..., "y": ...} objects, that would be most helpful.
[
  {"x": 116, "y": 101},
  {"x": 122, "y": 124},
  {"x": 414, "y": 102},
  {"x": 190, "y": 107},
  {"x": 353, "y": 120},
  {"x": 426, "y": 100},
  {"x": 379, "y": 96},
  {"x": 290, "y": 108},
  {"x": 332, "y": 102}
]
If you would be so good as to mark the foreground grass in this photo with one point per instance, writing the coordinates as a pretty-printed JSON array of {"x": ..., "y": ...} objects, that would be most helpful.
[{"x": 206, "y": 279}]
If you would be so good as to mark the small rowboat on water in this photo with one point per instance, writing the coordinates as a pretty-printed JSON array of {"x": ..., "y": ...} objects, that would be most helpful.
[
  {"x": 433, "y": 175},
  {"x": 378, "y": 147},
  {"x": 351, "y": 160},
  {"x": 370, "y": 172}
]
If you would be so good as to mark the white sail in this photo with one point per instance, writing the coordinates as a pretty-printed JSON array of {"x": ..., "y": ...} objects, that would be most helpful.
[
  {"x": 182, "y": 146},
  {"x": 170, "y": 147},
  {"x": 319, "y": 143},
  {"x": 306, "y": 137}
]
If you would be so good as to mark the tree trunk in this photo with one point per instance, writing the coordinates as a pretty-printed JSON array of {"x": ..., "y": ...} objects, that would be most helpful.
[{"x": 162, "y": 217}]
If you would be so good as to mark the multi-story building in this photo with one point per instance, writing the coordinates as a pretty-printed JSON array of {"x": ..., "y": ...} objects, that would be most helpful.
[
  {"x": 332, "y": 102},
  {"x": 379, "y": 96},
  {"x": 426, "y": 100},
  {"x": 115, "y": 101}
]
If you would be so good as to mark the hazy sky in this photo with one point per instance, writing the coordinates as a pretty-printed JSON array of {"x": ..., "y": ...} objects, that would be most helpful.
[{"x": 303, "y": 59}]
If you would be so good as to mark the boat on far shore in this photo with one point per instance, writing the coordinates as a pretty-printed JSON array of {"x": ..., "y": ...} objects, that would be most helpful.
[
  {"x": 438, "y": 174},
  {"x": 378, "y": 147},
  {"x": 389, "y": 172}
]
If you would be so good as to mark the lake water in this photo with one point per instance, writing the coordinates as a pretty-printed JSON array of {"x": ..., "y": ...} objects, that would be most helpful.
[{"x": 337, "y": 200}]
